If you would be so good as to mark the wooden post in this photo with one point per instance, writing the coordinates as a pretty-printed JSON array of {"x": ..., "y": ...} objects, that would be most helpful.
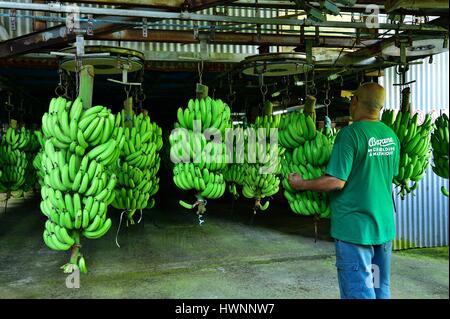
[{"x": 86, "y": 85}]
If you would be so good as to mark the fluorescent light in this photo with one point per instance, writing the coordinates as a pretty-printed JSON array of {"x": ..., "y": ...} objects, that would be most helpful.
[
  {"x": 237, "y": 122},
  {"x": 299, "y": 83},
  {"x": 279, "y": 112},
  {"x": 275, "y": 94}
]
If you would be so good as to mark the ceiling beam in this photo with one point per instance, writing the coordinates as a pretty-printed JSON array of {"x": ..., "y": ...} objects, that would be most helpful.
[
  {"x": 55, "y": 37},
  {"x": 158, "y": 14},
  {"x": 232, "y": 38},
  {"x": 58, "y": 36},
  {"x": 168, "y": 5}
]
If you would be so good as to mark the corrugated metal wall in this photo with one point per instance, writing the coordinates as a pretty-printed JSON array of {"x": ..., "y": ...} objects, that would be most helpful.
[{"x": 422, "y": 220}]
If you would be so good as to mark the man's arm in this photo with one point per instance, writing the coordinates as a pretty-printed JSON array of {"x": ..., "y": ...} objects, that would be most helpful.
[{"x": 324, "y": 183}]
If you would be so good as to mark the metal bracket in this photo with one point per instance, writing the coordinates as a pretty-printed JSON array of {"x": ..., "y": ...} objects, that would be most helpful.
[
  {"x": 90, "y": 25},
  {"x": 317, "y": 35},
  {"x": 13, "y": 19},
  {"x": 144, "y": 28},
  {"x": 124, "y": 67},
  {"x": 195, "y": 30}
]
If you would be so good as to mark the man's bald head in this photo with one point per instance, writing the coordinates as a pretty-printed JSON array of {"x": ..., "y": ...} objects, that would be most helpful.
[{"x": 371, "y": 97}]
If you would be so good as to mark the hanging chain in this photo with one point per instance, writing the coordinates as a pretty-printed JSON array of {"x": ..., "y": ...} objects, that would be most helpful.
[
  {"x": 263, "y": 88},
  {"x": 327, "y": 100},
  {"x": 200, "y": 71}
]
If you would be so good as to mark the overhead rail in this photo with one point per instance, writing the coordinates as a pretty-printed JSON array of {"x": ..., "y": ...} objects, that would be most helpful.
[{"x": 155, "y": 14}]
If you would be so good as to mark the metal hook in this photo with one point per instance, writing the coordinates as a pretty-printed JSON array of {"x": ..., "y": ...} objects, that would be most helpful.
[{"x": 127, "y": 90}]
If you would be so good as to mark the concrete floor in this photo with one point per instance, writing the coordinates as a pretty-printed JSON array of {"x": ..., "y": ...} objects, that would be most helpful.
[{"x": 170, "y": 256}]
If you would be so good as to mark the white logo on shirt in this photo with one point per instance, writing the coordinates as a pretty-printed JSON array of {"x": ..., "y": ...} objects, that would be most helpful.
[
  {"x": 381, "y": 142},
  {"x": 381, "y": 147}
]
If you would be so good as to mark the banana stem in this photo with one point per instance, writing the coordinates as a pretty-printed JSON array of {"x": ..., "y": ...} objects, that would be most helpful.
[
  {"x": 75, "y": 252},
  {"x": 201, "y": 208},
  {"x": 310, "y": 105},
  {"x": 406, "y": 105}
]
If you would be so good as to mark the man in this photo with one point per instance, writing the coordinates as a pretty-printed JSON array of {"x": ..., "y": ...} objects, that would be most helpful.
[{"x": 364, "y": 160}]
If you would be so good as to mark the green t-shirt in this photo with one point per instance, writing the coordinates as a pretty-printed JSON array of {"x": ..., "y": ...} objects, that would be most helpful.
[{"x": 366, "y": 155}]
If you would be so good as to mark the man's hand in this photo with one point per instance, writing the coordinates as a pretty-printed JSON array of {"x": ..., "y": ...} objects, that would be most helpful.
[{"x": 295, "y": 181}]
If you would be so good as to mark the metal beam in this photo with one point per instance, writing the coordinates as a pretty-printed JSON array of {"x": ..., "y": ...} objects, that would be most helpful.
[
  {"x": 167, "y": 5},
  {"x": 55, "y": 37},
  {"x": 153, "y": 14},
  {"x": 171, "y": 64},
  {"x": 187, "y": 37}
]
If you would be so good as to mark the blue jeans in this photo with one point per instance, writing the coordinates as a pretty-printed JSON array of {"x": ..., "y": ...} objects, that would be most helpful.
[{"x": 363, "y": 270}]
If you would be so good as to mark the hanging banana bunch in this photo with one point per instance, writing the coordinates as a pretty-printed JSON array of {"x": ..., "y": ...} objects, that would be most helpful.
[
  {"x": 31, "y": 175},
  {"x": 309, "y": 161},
  {"x": 80, "y": 146},
  {"x": 199, "y": 162},
  {"x": 234, "y": 176},
  {"x": 308, "y": 152},
  {"x": 235, "y": 171},
  {"x": 13, "y": 159},
  {"x": 414, "y": 145},
  {"x": 139, "y": 164},
  {"x": 261, "y": 169},
  {"x": 439, "y": 142}
]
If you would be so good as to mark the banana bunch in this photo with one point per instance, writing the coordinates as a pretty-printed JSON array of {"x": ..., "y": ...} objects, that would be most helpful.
[
  {"x": 258, "y": 185},
  {"x": 32, "y": 150},
  {"x": 13, "y": 163},
  {"x": 234, "y": 175},
  {"x": 309, "y": 160},
  {"x": 16, "y": 138},
  {"x": 68, "y": 126},
  {"x": 414, "y": 148},
  {"x": 439, "y": 142},
  {"x": 295, "y": 129},
  {"x": 78, "y": 185},
  {"x": 309, "y": 203},
  {"x": 199, "y": 162},
  {"x": 139, "y": 164},
  {"x": 268, "y": 122},
  {"x": 261, "y": 161},
  {"x": 207, "y": 184},
  {"x": 208, "y": 112},
  {"x": 13, "y": 160}
]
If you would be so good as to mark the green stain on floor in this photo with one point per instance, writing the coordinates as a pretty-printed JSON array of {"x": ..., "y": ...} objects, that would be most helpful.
[{"x": 169, "y": 255}]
